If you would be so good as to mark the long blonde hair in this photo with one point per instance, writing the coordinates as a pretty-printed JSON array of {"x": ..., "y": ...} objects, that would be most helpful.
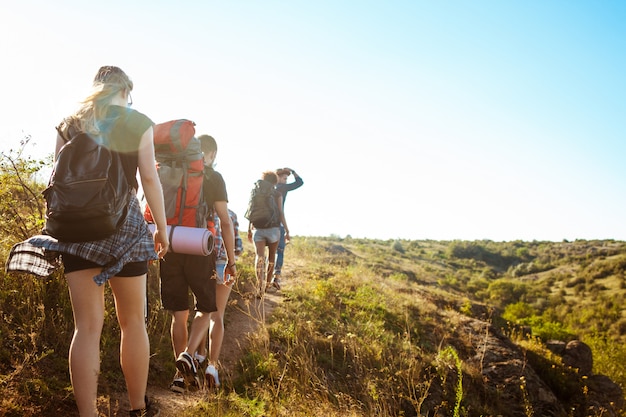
[{"x": 106, "y": 84}]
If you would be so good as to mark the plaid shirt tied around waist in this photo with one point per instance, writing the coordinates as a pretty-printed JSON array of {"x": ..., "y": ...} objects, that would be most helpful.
[{"x": 132, "y": 242}]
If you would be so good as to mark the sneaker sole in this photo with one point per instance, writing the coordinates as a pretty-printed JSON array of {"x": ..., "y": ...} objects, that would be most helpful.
[
  {"x": 177, "y": 388},
  {"x": 187, "y": 373}
]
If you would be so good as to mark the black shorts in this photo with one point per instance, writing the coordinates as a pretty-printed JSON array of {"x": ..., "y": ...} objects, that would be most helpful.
[
  {"x": 73, "y": 263},
  {"x": 179, "y": 273}
]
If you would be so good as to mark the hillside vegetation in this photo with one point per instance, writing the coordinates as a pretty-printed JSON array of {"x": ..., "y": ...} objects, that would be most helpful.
[{"x": 363, "y": 328}]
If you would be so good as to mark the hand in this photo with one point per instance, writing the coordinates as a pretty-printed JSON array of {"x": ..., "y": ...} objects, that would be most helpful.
[
  {"x": 230, "y": 273},
  {"x": 161, "y": 243}
]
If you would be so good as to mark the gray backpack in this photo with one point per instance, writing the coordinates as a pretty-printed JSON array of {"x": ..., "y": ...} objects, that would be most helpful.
[{"x": 263, "y": 210}]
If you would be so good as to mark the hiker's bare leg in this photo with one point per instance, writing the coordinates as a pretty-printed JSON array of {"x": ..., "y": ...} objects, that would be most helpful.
[
  {"x": 84, "y": 356},
  {"x": 178, "y": 331},
  {"x": 260, "y": 264},
  {"x": 199, "y": 329},
  {"x": 271, "y": 261},
  {"x": 203, "y": 348},
  {"x": 216, "y": 331},
  {"x": 129, "y": 294}
]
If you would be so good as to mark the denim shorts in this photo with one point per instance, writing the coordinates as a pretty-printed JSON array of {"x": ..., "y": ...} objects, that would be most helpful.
[
  {"x": 220, "y": 266},
  {"x": 271, "y": 235}
]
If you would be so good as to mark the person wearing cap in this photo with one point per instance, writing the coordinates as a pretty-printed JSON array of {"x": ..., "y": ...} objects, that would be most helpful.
[{"x": 283, "y": 188}]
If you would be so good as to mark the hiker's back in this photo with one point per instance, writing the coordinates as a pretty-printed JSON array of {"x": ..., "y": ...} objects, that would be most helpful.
[{"x": 263, "y": 211}]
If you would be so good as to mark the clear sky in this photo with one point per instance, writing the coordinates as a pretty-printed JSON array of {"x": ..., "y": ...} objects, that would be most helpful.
[{"x": 414, "y": 119}]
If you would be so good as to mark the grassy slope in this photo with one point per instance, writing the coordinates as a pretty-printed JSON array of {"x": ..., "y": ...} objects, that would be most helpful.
[
  {"x": 373, "y": 327},
  {"x": 365, "y": 328}
]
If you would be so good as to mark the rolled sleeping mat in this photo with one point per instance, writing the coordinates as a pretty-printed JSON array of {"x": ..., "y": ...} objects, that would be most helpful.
[{"x": 189, "y": 240}]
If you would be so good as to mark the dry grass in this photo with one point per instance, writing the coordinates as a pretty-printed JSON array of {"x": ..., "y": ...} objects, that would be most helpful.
[{"x": 361, "y": 328}]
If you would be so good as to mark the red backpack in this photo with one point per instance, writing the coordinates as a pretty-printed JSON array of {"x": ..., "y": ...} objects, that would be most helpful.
[{"x": 181, "y": 170}]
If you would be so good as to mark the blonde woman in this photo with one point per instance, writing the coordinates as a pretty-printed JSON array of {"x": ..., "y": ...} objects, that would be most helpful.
[{"x": 121, "y": 259}]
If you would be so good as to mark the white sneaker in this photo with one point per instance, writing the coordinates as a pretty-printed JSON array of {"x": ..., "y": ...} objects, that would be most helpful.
[{"x": 211, "y": 378}]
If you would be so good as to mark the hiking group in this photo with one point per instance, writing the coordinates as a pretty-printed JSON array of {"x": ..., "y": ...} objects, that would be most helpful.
[{"x": 96, "y": 229}]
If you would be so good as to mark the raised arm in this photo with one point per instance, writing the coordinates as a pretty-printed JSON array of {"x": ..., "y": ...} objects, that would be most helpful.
[{"x": 297, "y": 183}]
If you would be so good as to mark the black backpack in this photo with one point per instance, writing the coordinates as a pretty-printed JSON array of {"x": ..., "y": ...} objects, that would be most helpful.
[
  {"x": 88, "y": 195},
  {"x": 262, "y": 209}
]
